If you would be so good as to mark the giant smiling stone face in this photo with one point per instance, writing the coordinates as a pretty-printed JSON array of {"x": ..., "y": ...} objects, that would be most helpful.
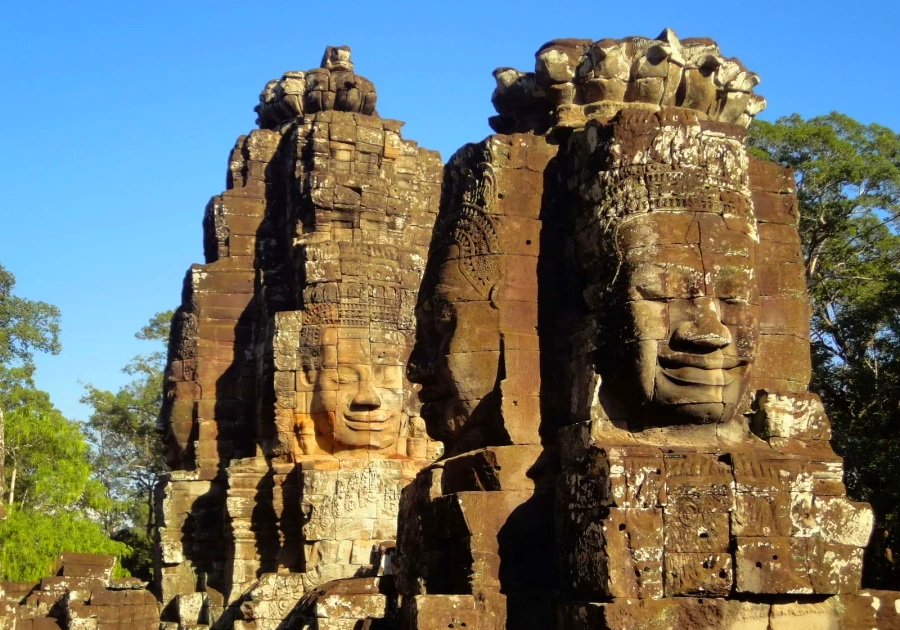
[
  {"x": 668, "y": 251},
  {"x": 356, "y": 400},
  {"x": 680, "y": 340}
]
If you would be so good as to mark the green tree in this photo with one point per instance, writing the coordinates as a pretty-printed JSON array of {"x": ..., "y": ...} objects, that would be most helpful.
[
  {"x": 127, "y": 454},
  {"x": 46, "y": 460},
  {"x": 30, "y": 543},
  {"x": 51, "y": 494},
  {"x": 46, "y": 479},
  {"x": 26, "y": 326},
  {"x": 848, "y": 186}
]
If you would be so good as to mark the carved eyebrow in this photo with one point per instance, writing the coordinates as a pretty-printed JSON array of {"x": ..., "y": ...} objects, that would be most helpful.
[
  {"x": 660, "y": 281},
  {"x": 354, "y": 371},
  {"x": 330, "y": 373},
  {"x": 447, "y": 293}
]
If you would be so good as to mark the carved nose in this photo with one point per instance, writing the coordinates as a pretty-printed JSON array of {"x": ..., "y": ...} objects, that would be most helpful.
[
  {"x": 419, "y": 369},
  {"x": 705, "y": 332},
  {"x": 366, "y": 396}
]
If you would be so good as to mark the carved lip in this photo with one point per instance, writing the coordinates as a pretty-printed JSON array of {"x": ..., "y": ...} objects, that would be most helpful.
[
  {"x": 714, "y": 368},
  {"x": 366, "y": 420}
]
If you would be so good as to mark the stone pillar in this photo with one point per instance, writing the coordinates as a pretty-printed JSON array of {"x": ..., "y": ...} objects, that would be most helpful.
[
  {"x": 475, "y": 529},
  {"x": 699, "y": 488},
  {"x": 287, "y": 355}
]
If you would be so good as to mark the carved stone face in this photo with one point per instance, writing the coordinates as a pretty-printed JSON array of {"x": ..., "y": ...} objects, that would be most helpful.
[
  {"x": 356, "y": 398},
  {"x": 683, "y": 329},
  {"x": 456, "y": 356}
]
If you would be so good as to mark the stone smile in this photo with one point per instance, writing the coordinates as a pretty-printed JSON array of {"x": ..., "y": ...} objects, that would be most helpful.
[
  {"x": 713, "y": 369},
  {"x": 366, "y": 420}
]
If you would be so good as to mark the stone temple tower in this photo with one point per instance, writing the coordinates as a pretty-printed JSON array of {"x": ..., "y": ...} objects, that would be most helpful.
[{"x": 289, "y": 424}]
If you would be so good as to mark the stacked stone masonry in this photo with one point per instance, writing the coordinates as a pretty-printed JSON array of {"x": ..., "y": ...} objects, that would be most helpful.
[
  {"x": 288, "y": 419},
  {"x": 559, "y": 382},
  {"x": 81, "y": 596}
]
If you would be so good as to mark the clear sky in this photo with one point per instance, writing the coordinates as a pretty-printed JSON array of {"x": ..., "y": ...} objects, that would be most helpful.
[{"x": 118, "y": 117}]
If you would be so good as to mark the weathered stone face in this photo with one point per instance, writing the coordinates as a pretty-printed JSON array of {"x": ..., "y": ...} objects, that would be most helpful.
[
  {"x": 456, "y": 359},
  {"x": 669, "y": 256},
  {"x": 355, "y": 400},
  {"x": 451, "y": 364},
  {"x": 689, "y": 323}
]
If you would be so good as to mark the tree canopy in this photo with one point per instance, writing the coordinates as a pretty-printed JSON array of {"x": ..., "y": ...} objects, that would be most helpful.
[
  {"x": 848, "y": 187},
  {"x": 26, "y": 326},
  {"x": 126, "y": 452},
  {"x": 47, "y": 482}
]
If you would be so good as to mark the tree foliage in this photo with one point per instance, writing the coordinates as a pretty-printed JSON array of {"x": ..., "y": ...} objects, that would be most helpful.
[
  {"x": 848, "y": 179},
  {"x": 126, "y": 452},
  {"x": 31, "y": 542},
  {"x": 46, "y": 461},
  {"x": 26, "y": 326},
  {"x": 46, "y": 481}
]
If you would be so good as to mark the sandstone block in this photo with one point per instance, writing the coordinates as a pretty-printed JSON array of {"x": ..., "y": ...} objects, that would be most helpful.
[
  {"x": 441, "y": 611},
  {"x": 869, "y": 609},
  {"x": 491, "y": 469},
  {"x": 834, "y": 568},
  {"x": 843, "y": 521},
  {"x": 698, "y": 482},
  {"x": 785, "y": 357},
  {"x": 616, "y": 555},
  {"x": 665, "y": 614},
  {"x": 522, "y": 192},
  {"x": 761, "y": 514},
  {"x": 351, "y": 606},
  {"x": 782, "y": 280},
  {"x": 793, "y": 416},
  {"x": 812, "y": 615},
  {"x": 521, "y": 415},
  {"x": 698, "y": 532},
  {"x": 697, "y": 574},
  {"x": 784, "y": 316},
  {"x": 771, "y": 565},
  {"x": 771, "y": 177}
]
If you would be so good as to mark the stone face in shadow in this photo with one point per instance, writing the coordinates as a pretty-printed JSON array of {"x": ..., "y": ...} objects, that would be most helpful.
[{"x": 475, "y": 539}]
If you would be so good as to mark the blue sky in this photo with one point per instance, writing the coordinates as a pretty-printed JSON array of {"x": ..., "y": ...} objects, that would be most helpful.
[{"x": 118, "y": 117}]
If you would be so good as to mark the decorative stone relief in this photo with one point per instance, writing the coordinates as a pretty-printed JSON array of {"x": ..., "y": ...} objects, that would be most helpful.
[{"x": 575, "y": 79}]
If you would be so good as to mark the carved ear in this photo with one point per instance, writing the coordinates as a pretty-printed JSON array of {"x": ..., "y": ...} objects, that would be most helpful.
[
  {"x": 308, "y": 377},
  {"x": 492, "y": 295},
  {"x": 482, "y": 272}
]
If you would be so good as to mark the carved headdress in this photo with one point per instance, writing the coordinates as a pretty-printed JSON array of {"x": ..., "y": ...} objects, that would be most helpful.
[
  {"x": 574, "y": 79},
  {"x": 467, "y": 231}
]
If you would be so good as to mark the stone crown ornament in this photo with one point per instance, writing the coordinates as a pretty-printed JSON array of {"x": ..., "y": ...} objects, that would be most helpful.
[
  {"x": 575, "y": 78},
  {"x": 331, "y": 87}
]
